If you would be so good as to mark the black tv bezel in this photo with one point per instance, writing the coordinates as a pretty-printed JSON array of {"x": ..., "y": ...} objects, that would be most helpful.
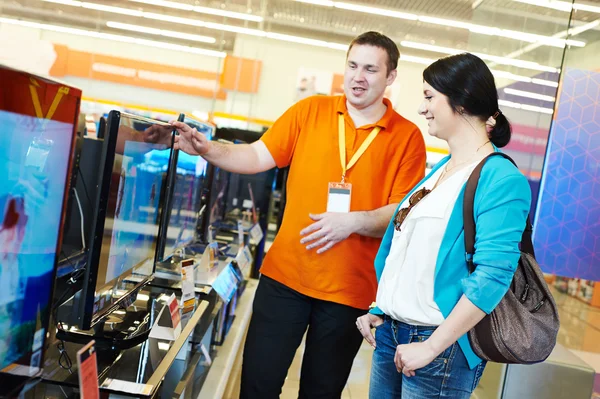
[
  {"x": 86, "y": 318},
  {"x": 169, "y": 191}
]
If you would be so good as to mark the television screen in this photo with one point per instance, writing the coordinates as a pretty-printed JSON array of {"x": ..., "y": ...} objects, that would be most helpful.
[
  {"x": 37, "y": 131},
  {"x": 186, "y": 198},
  {"x": 123, "y": 249}
]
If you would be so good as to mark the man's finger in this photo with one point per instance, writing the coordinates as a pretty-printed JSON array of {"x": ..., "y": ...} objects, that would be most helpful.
[
  {"x": 316, "y": 217},
  {"x": 313, "y": 227},
  {"x": 326, "y": 247},
  {"x": 320, "y": 243},
  {"x": 314, "y": 236}
]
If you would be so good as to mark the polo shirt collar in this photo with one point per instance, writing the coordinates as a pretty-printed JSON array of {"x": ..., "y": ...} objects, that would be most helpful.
[{"x": 383, "y": 122}]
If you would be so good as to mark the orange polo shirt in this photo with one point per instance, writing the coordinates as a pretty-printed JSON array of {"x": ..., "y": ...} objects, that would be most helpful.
[{"x": 306, "y": 138}]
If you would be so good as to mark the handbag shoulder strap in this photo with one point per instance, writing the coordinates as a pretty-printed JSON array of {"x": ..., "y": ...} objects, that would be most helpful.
[{"x": 469, "y": 217}]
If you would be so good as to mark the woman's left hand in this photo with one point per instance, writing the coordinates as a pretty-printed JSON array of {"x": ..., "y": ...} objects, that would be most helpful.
[{"x": 411, "y": 357}]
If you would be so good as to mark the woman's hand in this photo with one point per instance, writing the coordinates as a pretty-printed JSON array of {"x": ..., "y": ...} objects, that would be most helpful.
[
  {"x": 411, "y": 357},
  {"x": 365, "y": 323}
]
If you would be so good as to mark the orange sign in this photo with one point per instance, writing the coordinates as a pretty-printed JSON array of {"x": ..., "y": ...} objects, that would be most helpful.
[{"x": 157, "y": 76}]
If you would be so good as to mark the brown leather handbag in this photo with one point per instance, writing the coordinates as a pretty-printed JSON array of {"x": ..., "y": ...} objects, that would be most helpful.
[{"x": 523, "y": 327}]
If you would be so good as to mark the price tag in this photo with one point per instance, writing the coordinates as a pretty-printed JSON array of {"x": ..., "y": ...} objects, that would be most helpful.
[
  {"x": 226, "y": 283},
  {"x": 187, "y": 284},
  {"x": 88, "y": 372},
  {"x": 244, "y": 258},
  {"x": 256, "y": 234},
  {"x": 210, "y": 257},
  {"x": 173, "y": 305}
]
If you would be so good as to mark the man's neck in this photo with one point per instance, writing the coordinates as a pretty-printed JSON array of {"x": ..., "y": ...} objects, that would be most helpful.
[{"x": 368, "y": 115}]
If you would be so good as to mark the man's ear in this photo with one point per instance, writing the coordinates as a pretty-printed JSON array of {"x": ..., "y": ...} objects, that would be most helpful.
[{"x": 392, "y": 77}]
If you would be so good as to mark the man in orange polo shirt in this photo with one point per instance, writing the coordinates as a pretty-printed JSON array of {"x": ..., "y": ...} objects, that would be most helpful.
[{"x": 344, "y": 184}]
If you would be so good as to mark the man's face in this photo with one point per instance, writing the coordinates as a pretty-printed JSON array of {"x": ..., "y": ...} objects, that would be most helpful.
[{"x": 366, "y": 75}]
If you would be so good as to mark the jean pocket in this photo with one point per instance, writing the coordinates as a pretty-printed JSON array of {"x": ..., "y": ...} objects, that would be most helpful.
[{"x": 423, "y": 336}]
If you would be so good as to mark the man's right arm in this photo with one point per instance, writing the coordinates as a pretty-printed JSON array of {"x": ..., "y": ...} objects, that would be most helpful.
[
  {"x": 240, "y": 158},
  {"x": 275, "y": 148}
]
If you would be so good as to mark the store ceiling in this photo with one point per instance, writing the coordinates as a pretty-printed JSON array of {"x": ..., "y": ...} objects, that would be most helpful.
[{"x": 331, "y": 24}]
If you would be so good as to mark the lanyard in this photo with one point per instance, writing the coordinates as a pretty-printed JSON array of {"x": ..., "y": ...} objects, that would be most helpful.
[
  {"x": 361, "y": 150},
  {"x": 38, "y": 106}
]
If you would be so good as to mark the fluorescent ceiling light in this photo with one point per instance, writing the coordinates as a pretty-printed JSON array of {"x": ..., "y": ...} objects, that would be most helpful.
[
  {"x": 583, "y": 28},
  {"x": 202, "y": 10},
  {"x": 499, "y": 60},
  {"x": 543, "y": 82},
  {"x": 223, "y": 27},
  {"x": 526, "y": 79},
  {"x": 161, "y": 32},
  {"x": 375, "y": 11},
  {"x": 529, "y": 94},
  {"x": 561, "y": 5},
  {"x": 482, "y": 29},
  {"x": 98, "y": 7},
  {"x": 117, "y": 38},
  {"x": 526, "y": 107},
  {"x": 418, "y": 60}
]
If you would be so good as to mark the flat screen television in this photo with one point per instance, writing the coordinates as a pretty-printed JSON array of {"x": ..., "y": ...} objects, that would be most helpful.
[
  {"x": 126, "y": 223},
  {"x": 185, "y": 198},
  {"x": 38, "y": 121}
]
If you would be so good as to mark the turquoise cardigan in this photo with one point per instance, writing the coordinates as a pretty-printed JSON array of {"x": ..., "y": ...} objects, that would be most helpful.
[{"x": 501, "y": 207}]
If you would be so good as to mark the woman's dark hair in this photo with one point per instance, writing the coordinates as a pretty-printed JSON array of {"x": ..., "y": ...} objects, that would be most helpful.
[{"x": 470, "y": 87}]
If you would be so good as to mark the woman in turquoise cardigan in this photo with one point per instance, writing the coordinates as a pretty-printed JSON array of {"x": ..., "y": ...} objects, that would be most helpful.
[{"x": 426, "y": 299}]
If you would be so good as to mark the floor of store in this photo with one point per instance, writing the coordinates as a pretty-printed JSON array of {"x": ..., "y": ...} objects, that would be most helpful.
[{"x": 580, "y": 332}]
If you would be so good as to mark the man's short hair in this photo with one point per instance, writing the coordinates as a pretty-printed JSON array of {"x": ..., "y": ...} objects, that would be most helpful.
[{"x": 377, "y": 39}]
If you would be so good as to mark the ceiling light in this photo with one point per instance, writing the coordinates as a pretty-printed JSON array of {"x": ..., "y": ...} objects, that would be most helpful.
[
  {"x": 418, "y": 60},
  {"x": 483, "y": 29},
  {"x": 161, "y": 32},
  {"x": 526, "y": 107},
  {"x": 118, "y": 38},
  {"x": 556, "y": 5},
  {"x": 499, "y": 60},
  {"x": 529, "y": 94},
  {"x": 202, "y": 10},
  {"x": 375, "y": 11},
  {"x": 544, "y": 82},
  {"x": 324, "y": 3},
  {"x": 526, "y": 79},
  {"x": 98, "y": 7},
  {"x": 583, "y": 28},
  {"x": 227, "y": 28},
  {"x": 561, "y": 5}
]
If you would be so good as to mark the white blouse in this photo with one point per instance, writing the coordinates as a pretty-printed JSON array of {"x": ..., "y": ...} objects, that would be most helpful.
[{"x": 405, "y": 290}]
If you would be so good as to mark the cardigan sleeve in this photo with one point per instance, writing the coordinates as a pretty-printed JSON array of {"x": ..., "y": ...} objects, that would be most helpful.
[{"x": 500, "y": 214}]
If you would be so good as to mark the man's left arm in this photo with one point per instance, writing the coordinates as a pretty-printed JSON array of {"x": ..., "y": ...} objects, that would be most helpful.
[
  {"x": 331, "y": 228},
  {"x": 373, "y": 223}
]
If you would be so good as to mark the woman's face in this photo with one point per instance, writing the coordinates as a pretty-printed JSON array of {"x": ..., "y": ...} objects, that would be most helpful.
[{"x": 436, "y": 109}]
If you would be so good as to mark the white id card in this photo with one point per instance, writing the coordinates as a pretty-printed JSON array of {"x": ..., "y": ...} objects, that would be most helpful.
[{"x": 338, "y": 198}]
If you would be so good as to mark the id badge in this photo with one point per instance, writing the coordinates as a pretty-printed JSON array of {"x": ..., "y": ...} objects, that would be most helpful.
[{"x": 339, "y": 196}]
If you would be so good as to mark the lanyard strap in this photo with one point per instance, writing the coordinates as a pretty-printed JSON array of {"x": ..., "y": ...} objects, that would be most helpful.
[{"x": 361, "y": 150}]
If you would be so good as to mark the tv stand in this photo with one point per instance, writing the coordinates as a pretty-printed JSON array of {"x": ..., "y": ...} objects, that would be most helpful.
[{"x": 123, "y": 328}]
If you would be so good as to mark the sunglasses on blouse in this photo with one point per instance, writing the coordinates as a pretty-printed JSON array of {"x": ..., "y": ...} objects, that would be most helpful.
[{"x": 412, "y": 201}]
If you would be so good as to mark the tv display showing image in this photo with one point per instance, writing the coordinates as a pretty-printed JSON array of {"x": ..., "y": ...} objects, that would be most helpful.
[
  {"x": 186, "y": 198},
  {"x": 126, "y": 224},
  {"x": 37, "y": 135}
]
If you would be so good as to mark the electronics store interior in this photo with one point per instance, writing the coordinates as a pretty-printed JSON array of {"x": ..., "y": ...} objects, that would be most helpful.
[{"x": 140, "y": 255}]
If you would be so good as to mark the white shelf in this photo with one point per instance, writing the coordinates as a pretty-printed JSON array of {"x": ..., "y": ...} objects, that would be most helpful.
[{"x": 218, "y": 376}]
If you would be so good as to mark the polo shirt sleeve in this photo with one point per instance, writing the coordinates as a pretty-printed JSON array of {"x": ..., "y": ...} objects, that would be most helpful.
[
  {"x": 282, "y": 137},
  {"x": 411, "y": 169}
]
